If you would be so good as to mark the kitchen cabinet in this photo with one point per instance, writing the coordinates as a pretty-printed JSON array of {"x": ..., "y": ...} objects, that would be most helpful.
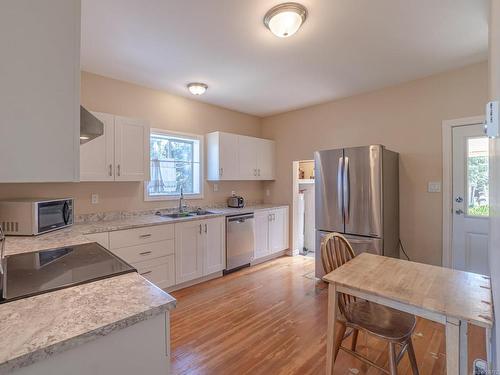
[
  {"x": 40, "y": 90},
  {"x": 239, "y": 157},
  {"x": 199, "y": 248},
  {"x": 271, "y": 232},
  {"x": 101, "y": 238},
  {"x": 120, "y": 154},
  {"x": 223, "y": 156}
]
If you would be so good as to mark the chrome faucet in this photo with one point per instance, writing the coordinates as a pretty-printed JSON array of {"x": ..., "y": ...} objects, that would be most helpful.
[{"x": 182, "y": 206}]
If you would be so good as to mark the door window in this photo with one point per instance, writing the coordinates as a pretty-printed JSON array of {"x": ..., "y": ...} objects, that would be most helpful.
[{"x": 477, "y": 176}]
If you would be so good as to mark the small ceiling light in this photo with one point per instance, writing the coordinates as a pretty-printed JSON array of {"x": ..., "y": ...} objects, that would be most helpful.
[
  {"x": 285, "y": 19},
  {"x": 197, "y": 88}
]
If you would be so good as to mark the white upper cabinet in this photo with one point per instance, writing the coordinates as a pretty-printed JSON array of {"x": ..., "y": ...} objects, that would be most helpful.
[
  {"x": 239, "y": 157},
  {"x": 247, "y": 147},
  {"x": 97, "y": 156},
  {"x": 40, "y": 90},
  {"x": 120, "y": 154},
  {"x": 222, "y": 155},
  {"x": 131, "y": 149}
]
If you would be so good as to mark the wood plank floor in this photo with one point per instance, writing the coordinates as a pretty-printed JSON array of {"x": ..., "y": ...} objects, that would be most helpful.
[{"x": 271, "y": 319}]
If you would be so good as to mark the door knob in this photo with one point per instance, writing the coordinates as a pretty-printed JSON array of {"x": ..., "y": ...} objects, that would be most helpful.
[
  {"x": 459, "y": 212},
  {"x": 459, "y": 199}
]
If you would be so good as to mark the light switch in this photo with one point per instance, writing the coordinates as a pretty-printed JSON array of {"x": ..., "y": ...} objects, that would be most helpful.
[
  {"x": 95, "y": 198},
  {"x": 434, "y": 187}
]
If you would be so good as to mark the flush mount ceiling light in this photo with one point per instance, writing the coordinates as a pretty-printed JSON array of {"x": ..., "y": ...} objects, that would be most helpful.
[
  {"x": 197, "y": 88},
  {"x": 285, "y": 19}
]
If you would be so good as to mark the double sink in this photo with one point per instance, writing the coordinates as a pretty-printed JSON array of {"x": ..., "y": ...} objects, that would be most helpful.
[{"x": 177, "y": 215}]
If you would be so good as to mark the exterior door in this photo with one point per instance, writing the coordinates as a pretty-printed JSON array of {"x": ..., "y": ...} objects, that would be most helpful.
[
  {"x": 470, "y": 199},
  {"x": 362, "y": 173},
  {"x": 97, "y": 155},
  {"x": 131, "y": 150},
  {"x": 328, "y": 190}
]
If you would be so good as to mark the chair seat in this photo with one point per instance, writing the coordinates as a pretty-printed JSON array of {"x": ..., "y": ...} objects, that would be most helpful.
[{"x": 382, "y": 321}]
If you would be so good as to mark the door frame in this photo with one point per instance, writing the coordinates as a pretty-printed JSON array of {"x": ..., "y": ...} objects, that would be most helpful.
[{"x": 447, "y": 133}]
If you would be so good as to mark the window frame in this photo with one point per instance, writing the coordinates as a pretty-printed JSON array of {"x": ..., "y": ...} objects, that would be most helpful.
[{"x": 187, "y": 196}]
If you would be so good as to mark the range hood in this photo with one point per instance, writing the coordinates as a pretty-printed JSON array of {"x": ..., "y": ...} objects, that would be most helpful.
[{"x": 90, "y": 126}]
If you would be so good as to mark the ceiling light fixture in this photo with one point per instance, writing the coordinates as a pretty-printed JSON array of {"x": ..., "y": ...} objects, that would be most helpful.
[
  {"x": 285, "y": 19},
  {"x": 197, "y": 88}
]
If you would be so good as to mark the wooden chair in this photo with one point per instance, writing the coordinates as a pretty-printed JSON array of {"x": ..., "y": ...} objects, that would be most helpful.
[{"x": 393, "y": 326}]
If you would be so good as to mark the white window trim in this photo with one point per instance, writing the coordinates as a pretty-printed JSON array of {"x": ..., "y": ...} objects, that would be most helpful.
[{"x": 198, "y": 137}]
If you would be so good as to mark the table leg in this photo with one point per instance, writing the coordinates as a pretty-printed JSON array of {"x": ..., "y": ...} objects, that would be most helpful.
[
  {"x": 452, "y": 346},
  {"x": 331, "y": 331},
  {"x": 464, "y": 347}
]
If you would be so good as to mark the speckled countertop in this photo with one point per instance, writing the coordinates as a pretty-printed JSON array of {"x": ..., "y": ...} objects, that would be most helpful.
[
  {"x": 97, "y": 224},
  {"x": 34, "y": 328}
]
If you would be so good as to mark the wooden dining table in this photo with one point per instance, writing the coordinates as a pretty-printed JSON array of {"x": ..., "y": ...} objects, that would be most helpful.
[{"x": 447, "y": 296}]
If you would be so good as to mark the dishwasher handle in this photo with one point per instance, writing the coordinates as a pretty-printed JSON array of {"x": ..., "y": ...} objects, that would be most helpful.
[{"x": 239, "y": 219}]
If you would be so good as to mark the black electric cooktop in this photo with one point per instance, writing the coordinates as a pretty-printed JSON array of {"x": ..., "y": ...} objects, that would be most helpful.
[{"x": 29, "y": 274}]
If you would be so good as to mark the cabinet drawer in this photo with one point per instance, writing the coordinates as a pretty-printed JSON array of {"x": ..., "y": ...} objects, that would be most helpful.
[
  {"x": 138, "y": 236},
  {"x": 160, "y": 272},
  {"x": 139, "y": 253}
]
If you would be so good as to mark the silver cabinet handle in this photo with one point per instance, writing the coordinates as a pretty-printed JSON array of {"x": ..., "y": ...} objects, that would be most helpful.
[
  {"x": 145, "y": 235},
  {"x": 258, "y": 173},
  {"x": 221, "y": 172},
  {"x": 145, "y": 252},
  {"x": 206, "y": 228},
  {"x": 118, "y": 170},
  {"x": 146, "y": 273},
  {"x": 200, "y": 228},
  {"x": 255, "y": 172},
  {"x": 111, "y": 169},
  {"x": 347, "y": 187}
]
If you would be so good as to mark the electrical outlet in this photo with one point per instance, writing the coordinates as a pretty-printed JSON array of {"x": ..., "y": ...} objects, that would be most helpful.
[
  {"x": 95, "y": 198},
  {"x": 434, "y": 187},
  {"x": 216, "y": 187}
]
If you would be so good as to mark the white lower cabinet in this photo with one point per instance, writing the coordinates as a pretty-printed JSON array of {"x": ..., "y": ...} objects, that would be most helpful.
[
  {"x": 160, "y": 271},
  {"x": 199, "y": 249},
  {"x": 271, "y": 232}
]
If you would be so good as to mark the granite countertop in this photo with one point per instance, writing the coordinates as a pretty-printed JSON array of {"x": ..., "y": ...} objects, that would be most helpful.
[
  {"x": 76, "y": 234},
  {"x": 35, "y": 328}
]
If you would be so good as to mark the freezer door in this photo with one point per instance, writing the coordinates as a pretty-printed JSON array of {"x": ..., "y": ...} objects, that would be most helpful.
[
  {"x": 359, "y": 245},
  {"x": 362, "y": 178},
  {"x": 328, "y": 190}
]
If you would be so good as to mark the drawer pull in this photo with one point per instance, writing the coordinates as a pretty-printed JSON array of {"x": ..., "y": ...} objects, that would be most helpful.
[
  {"x": 146, "y": 252},
  {"x": 145, "y": 235},
  {"x": 146, "y": 273}
]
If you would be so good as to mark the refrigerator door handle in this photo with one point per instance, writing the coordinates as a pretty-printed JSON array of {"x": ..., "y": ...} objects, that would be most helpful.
[
  {"x": 346, "y": 185},
  {"x": 339, "y": 186}
]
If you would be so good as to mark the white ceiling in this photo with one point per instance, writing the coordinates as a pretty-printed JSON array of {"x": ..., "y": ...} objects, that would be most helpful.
[{"x": 345, "y": 47}]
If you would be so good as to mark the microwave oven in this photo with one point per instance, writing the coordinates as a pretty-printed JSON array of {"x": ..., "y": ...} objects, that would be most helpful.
[{"x": 33, "y": 216}]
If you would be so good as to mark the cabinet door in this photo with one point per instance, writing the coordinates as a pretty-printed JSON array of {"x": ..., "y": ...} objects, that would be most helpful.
[
  {"x": 188, "y": 251},
  {"x": 278, "y": 230},
  {"x": 214, "y": 258},
  {"x": 40, "y": 90},
  {"x": 262, "y": 221},
  {"x": 228, "y": 156},
  {"x": 131, "y": 150},
  {"x": 247, "y": 157},
  {"x": 265, "y": 159},
  {"x": 96, "y": 156}
]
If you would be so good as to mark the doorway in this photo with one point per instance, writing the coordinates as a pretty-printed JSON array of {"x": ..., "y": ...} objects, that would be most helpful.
[
  {"x": 303, "y": 208},
  {"x": 468, "y": 198}
]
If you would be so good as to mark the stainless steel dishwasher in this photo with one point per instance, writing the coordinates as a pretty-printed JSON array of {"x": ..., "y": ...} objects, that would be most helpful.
[{"x": 240, "y": 243}]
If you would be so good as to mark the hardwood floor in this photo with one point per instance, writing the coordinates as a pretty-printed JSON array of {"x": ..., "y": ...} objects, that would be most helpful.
[{"x": 271, "y": 319}]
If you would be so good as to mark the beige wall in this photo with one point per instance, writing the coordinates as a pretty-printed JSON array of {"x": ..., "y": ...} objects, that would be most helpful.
[
  {"x": 405, "y": 118},
  {"x": 165, "y": 111}
]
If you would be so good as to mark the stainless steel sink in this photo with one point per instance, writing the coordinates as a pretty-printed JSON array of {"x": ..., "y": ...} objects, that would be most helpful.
[{"x": 177, "y": 215}]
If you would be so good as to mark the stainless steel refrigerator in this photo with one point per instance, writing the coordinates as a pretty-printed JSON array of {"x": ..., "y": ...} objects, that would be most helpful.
[{"x": 357, "y": 194}]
